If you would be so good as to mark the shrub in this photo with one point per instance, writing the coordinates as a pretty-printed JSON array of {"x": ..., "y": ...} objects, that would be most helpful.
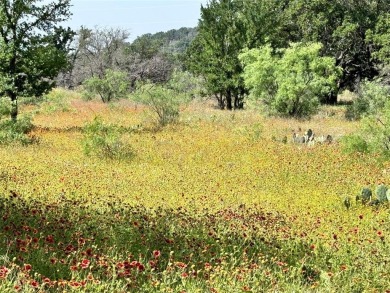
[
  {"x": 290, "y": 85},
  {"x": 16, "y": 131},
  {"x": 57, "y": 100},
  {"x": 371, "y": 99},
  {"x": 186, "y": 83},
  {"x": 5, "y": 107},
  {"x": 163, "y": 101},
  {"x": 113, "y": 85},
  {"x": 354, "y": 143},
  {"x": 105, "y": 141},
  {"x": 374, "y": 135}
]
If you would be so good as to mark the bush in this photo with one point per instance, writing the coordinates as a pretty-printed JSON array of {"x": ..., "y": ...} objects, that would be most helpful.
[
  {"x": 162, "y": 100},
  {"x": 105, "y": 141},
  {"x": 57, "y": 100},
  {"x": 5, "y": 107},
  {"x": 354, "y": 143},
  {"x": 186, "y": 83},
  {"x": 16, "y": 131},
  {"x": 113, "y": 85},
  {"x": 371, "y": 99},
  {"x": 290, "y": 85},
  {"x": 374, "y": 135}
]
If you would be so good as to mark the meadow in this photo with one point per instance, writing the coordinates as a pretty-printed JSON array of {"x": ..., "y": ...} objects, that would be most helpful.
[{"x": 218, "y": 202}]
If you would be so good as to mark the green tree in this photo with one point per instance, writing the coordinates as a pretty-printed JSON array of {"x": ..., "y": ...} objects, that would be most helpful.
[
  {"x": 290, "y": 85},
  {"x": 33, "y": 48},
  {"x": 213, "y": 54},
  {"x": 381, "y": 37},
  {"x": 342, "y": 27}
]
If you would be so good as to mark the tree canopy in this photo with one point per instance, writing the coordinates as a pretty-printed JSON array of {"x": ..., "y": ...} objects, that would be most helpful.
[
  {"x": 290, "y": 85},
  {"x": 354, "y": 33},
  {"x": 33, "y": 47}
]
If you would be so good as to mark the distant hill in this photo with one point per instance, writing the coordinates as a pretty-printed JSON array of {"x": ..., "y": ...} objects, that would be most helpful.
[{"x": 174, "y": 41}]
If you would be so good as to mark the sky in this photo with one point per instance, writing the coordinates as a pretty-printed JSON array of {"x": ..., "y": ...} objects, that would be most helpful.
[{"x": 138, "y": 17}]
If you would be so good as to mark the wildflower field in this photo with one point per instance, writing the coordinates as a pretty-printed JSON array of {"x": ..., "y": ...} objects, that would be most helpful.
[{"x": 218, "y": 202}]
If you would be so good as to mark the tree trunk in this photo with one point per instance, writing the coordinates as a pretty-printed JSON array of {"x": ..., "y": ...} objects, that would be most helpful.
[
  {"x": 229, "y": 100},
  {"x": 330, "y": 99},
  {"x": 221, "y": 101},
  {"x": 238, "y": 102},
  {"x": 14, "y": 109}
]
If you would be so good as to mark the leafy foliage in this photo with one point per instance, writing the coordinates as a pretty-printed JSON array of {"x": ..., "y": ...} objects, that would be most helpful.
[
  {"x": 374, "y": 134},
  {"x": 354, "y": 34},
  {"x": 371, "y": 99},
  {"x": 5, "y": 107},
  {"x": 214, "y": 52},
  {"x": 105, "y": 141},
  {"x": 163, "y": 101},
  {"x": 354, "y": 143},
  {"x": 342, "y": 28},
  {"x": 113, "y": 85},
  {"x": 381, "y": 37},
  {"x": 184, "y": 82},
  {"x": 290, "y": 85},
  {"x": 33, "y": 48},
  {"x": 16, "y": 131}
]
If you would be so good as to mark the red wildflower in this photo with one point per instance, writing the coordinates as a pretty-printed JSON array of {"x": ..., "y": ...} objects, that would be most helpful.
[
  {"x": 70, "y": 248},
  {"x": 3, "y": 272},
  {"x": 34, "y": 284},
  {"x": 75, "y": 284},
  {"x": 141, "y": 267},
  {"x": 85, "y": 263},
  {"x": 156, "y": 253},
  {"x": 184, "y": 275},
  {"x": 180, "y": 265},
  {"x": 49, "y": 239},
  {"x": 134, "y": 264},
  {"x": 27, "y": 267}
]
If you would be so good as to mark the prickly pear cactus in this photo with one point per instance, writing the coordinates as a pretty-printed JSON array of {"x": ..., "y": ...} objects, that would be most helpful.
[
  {"x": 366, "y": 195},
  {"x": 381, "y": 191},
  {"x": 347, "y": 202}
]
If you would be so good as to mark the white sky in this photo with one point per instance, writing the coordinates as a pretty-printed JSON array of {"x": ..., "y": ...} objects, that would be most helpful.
[{"x": 139, "y": 17}]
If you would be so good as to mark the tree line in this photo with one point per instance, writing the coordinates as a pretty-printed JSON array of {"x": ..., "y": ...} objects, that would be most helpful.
[
  {"x": 292, "y": 55},
  {"x": 354, "y": 33}
]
